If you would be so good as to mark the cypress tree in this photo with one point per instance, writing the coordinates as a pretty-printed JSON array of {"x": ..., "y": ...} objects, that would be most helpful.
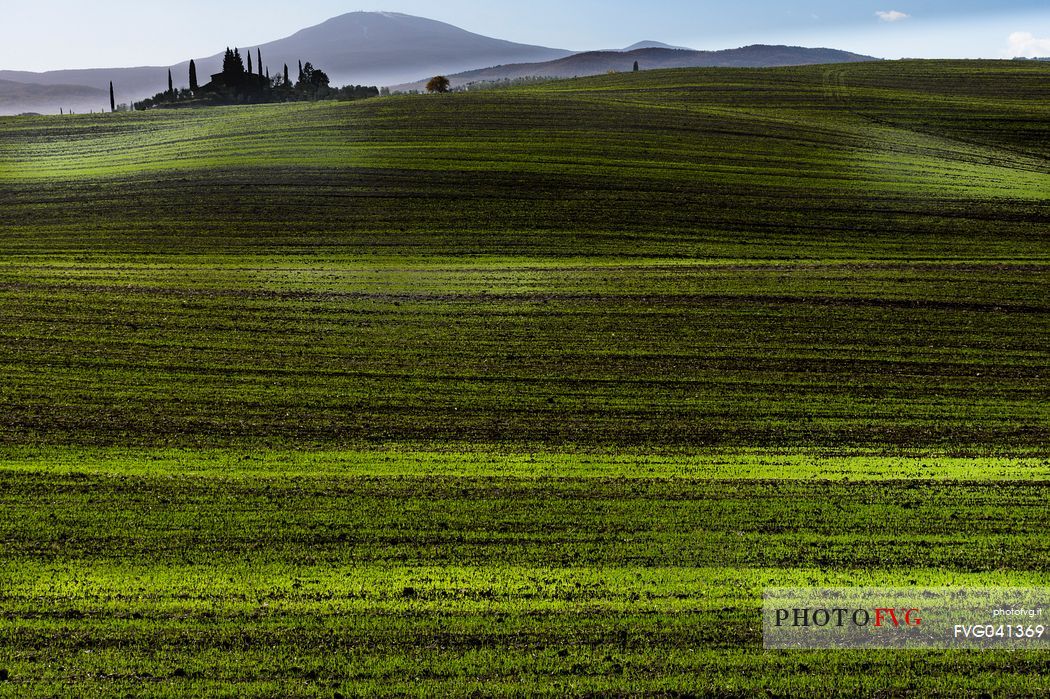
[
  {"x": 112, "y": 98},
  {"x": 286, "y": 80},
  {"x": 171, "y": 85},
  {"x": 300, "y": 71},
  {"x": 258, "y": 61},
  {"x": 250, "y": 62},
  {"x": 232, "y": 65},
  {"x": 636, "y": 66},
  {"x": 193, "y": 76}
]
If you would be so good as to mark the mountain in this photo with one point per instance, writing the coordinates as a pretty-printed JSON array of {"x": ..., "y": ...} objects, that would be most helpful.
[
  {"x": 654, "y": 45},
  {"x": 371, "y": 48},
  {"x": 381, "y": 48},
  {"x": 16, "y": 97},
  {"x": 599, "y": 62}
]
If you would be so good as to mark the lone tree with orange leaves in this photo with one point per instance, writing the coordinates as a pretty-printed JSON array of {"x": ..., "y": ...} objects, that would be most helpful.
[{"x": 438, "y": 84}]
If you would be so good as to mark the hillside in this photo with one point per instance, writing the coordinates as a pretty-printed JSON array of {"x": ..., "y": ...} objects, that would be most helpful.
[
  {"x": 523, "y": 392},
  {"x": 864, "y": 161},
  {"x": 371, "y": 48},
  {"x": 650, "y": 58}
]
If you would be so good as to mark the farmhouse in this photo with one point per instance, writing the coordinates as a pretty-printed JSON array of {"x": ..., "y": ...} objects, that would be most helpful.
[
  {"x": 236, "y": 81},
  {"x": 234, "y": 76}
]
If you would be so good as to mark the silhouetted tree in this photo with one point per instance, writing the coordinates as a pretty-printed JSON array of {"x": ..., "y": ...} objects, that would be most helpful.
[
  {"x": 286, "y": 80},
  {"x": 438, "y": 84},
  {"x": 311, "y": 78},
  {"x": 319, "y": 79},
  {"x": 636, "y": 66},
  {"x": 250, "y": 62},
  {"x": 171, "y": 85},
  {"x": 112, "y": 99},
  {"x": 258, "y": 55},
  {"x": 300, "y": 72},
  {"x": 193, "y": 76},
  {"x": 232, "y": 65}
]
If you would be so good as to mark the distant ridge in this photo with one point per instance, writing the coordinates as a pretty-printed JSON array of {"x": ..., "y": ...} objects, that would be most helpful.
[
  {"x": 369, "y": 48},
  {"x": 599, "y": 62}
]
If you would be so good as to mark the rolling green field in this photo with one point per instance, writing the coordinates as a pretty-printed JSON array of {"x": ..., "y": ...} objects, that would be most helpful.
[{"x": 523, "y": 391}]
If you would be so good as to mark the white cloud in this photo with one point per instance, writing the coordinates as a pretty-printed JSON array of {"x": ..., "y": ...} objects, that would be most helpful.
[
  {"x": 1028, "y": 45},
  {"x": 892, "y": 15}
]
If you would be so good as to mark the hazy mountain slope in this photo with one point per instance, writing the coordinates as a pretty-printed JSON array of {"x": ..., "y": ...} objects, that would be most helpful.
[
  {"x": 375, "y": 48},
  {"x": 16, "y": 97},
  {"x": 598, "y": 62},
  {"x": 129, "y": 83}
]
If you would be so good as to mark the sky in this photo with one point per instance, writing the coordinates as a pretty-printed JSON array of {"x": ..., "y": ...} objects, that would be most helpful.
[{"x": 56, "y": 34}]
